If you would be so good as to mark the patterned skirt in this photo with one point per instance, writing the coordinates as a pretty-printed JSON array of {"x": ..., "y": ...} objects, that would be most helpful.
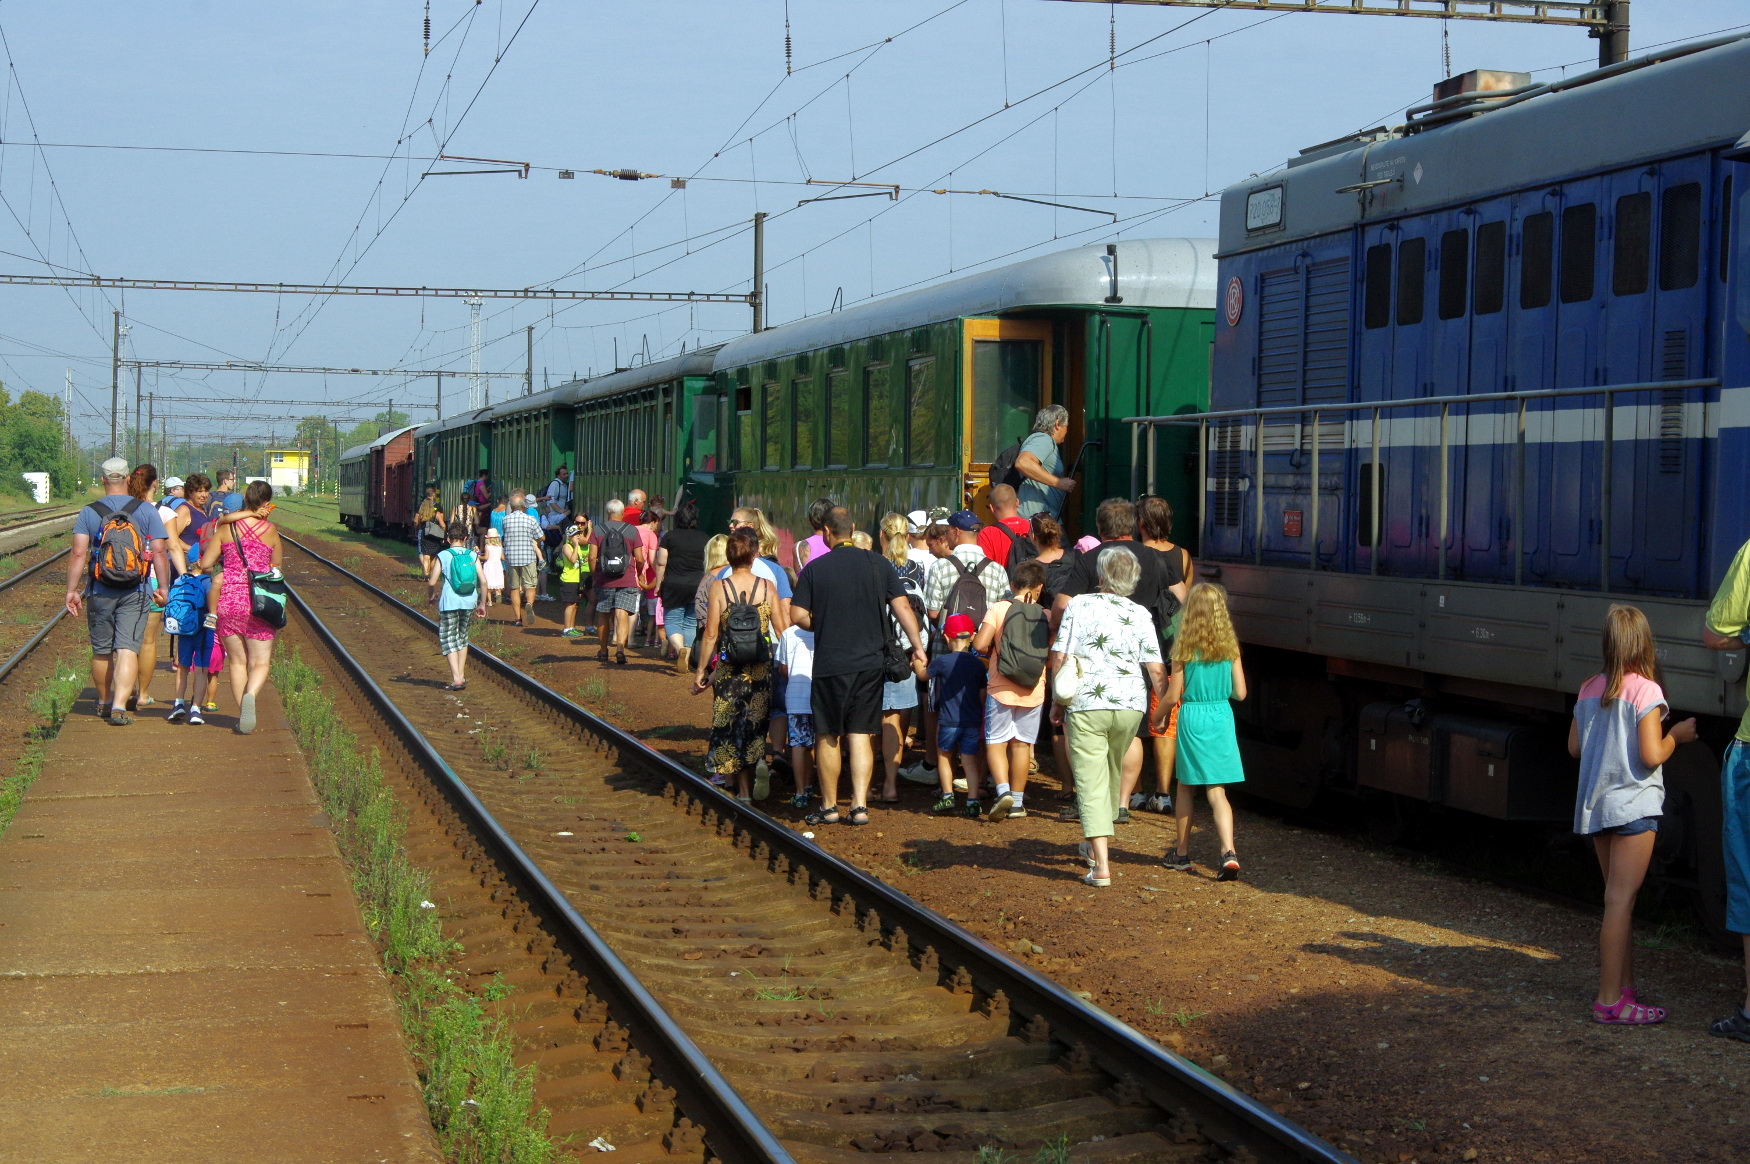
[{"x": 741, "y": 702}]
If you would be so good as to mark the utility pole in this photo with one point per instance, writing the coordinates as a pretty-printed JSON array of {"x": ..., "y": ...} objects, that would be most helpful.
[
  {"x": 67, "y": 414},
  {"x": 151, "y": 416},
  {"x": 164, "y": 436},
  {"x": 474, "y": 302},
  {"x": 115, "y": 382},
  {"x": 529, "y": 367},
  {"x": 1613, "y": 38},
  {"x": 137, "y": 372},
  {"x": 758, "y": 297}
]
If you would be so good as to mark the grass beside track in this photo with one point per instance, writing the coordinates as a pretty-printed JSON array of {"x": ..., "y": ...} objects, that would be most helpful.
[
  {"x": 49, "y": 705},
  {"x": 481, "y": 1104}
]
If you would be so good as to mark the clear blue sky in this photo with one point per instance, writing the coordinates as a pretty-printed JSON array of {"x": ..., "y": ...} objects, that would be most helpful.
[{"x": 674, "y": 87}]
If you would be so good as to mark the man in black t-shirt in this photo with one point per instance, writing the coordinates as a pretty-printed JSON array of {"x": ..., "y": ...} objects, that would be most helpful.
[
  {"x": 845, "y": 597},
  {"x": 1115, "y": 523}
]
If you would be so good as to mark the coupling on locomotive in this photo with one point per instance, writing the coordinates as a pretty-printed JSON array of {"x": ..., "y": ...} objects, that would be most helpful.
[{"x": 1438, "y": 396}]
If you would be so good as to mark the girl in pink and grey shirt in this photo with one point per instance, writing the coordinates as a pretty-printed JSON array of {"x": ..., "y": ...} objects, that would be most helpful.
[{"x": 1619, "y": 739}]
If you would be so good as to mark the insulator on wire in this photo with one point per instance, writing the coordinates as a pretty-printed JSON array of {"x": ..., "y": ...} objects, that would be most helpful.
[
  {"x": 428, "y": 28},
  {"x": 787, "y": 41}
]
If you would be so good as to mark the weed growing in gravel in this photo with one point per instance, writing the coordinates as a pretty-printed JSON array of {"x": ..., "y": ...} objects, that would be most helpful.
[
  {"x": 1155, "y": 1006},
  {"x": 634, "y": 837},
  {"x": 993, "y": 1154},
  {"x": 1669, "y": 935},
  {"x": 108, "y": 1092},
  {"x": 481, "y": 1104},
  {"x": 495, "y": 751},
  {"x": 1050, "y": 1152},
  {"x": 49, "y": 705},
  {"x": 592, "y": 690},
  {"x": 1186, "y": 1017},
  {"x": 910, "y": 866},
  {"x": 532, "y": 761}
]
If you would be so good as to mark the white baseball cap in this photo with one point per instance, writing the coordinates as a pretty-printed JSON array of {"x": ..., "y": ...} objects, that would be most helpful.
[
  {"x": 115, "y": 469},
  {"x": 917, "y": 519},
  {"x": 172, "y": 482}
]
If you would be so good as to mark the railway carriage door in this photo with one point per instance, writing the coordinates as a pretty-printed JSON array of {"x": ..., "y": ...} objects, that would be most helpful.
[
  {"x": 1404, "y": 500},
  {"x": 1530, "y": 365},
  {"x": 1483, "y": 435},
  {"x": 1573, "y": 430},
  {"x": 1374, "y": 381},
  {"x": 1448, "y": 331},
  {"x": 1006, "y": 379}
]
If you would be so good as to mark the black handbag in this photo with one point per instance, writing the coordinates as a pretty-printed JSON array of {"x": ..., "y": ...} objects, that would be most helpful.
[{"x": 267, "y": 591}]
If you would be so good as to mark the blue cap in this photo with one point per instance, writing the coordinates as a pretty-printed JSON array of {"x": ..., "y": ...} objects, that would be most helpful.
[{"x": 965, "y": 519}]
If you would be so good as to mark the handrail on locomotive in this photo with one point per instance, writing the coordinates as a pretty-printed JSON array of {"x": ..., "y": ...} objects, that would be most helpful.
[{"x": 1259, "y": 417}]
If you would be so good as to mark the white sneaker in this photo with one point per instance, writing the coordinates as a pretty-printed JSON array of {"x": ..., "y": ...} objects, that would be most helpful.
[
  {"x": 960, "y": 784},
  {"x": 918, "y": 774},
  {"x": 1137, "y": 800},
  {"x": 1160, "y": 802}
]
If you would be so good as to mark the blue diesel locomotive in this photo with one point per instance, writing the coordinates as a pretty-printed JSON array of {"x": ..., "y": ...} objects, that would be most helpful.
[{"x": 1475, "y": 378}]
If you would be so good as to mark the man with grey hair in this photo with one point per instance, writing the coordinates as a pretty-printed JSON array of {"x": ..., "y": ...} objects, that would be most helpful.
[
  {"x": 1041, "y": 463},
  {"x": 115, "y": 593},
  {"x": 522, "y": 558}
]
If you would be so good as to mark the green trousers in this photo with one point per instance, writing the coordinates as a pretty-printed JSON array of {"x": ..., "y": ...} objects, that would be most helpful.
[{"x": 1097, "y": 742}]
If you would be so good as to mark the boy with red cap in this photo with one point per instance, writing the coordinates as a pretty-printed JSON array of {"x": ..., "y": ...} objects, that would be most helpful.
[{"x": 957, "y": 693}]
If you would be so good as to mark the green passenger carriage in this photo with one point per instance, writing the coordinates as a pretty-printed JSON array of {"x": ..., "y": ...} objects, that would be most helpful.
[{"x": 902, "y": 403}]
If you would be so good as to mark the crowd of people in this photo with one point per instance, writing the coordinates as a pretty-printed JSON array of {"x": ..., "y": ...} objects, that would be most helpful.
[
  {"x": 183, "y": 558},
  {"x": 932, "y": 647}
]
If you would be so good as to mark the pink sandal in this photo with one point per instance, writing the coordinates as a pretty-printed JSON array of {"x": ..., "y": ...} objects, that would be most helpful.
[{"x": 1627, "y": 1012}]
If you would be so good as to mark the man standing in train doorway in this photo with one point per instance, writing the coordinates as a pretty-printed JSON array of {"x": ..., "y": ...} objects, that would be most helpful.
[
  {"x": 1040, "y": 463},
  {"x": 1727, "y": 628}
]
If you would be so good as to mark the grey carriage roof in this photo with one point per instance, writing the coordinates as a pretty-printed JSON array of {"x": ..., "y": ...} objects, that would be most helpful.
[
  {"x": 516, "y": 404},
  {"x": 1693, "y": 102},
  {"x": 361, "y": 450},
  {"x": 1152, "y": 272},
  {"x": 456, "y": 420},
  {"x": 694, "y": 363}
]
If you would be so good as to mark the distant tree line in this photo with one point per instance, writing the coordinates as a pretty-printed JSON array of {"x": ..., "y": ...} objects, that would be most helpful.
[{"x": 33, "y": 440}]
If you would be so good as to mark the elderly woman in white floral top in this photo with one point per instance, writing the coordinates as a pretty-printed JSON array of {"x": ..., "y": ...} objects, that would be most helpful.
[{"x": 1112, "y": 641}]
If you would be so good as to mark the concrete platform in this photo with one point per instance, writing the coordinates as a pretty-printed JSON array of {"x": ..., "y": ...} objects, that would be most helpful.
[{"x": 183, "y": 973}]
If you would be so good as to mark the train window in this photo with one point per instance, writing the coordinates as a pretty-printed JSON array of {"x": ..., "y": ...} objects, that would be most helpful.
[
  {"x": 1633, "y": 256},
  {"x": 1454, "y": 273},
  {"x": 878, "y": 432},
  {"x": 773, "y": 427},
  {"x": 1536, "y": 259},
  {"x": 1491, "y": 281},
  {"x": 1376, "y": 311},
  {"x": 1579, "y": 251},
  {"x": 1007, "y": 376},
  {"x": 920, "y": 405},
  {"x": 838, "y": 419},
  {"x": 745, "y": 457},
  {"x": 1412, "y": 280},
  {"x": 802, "y": 422},
  {"x": 1364, "y": 491},
  {"x": 1680, "y": 237},
  {"x": 1725, "y": 263}
]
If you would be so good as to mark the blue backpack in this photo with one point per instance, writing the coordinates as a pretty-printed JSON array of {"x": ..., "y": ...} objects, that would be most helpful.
[{"x": 186, "y": 607}]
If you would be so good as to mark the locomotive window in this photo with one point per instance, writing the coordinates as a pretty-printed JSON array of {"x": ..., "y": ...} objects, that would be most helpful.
[
  {"x": 1376, "y": 310},
  {"x": 1537, "y": 249},
  {"x": 774, "y": 427},
  {"x": 878, "y": 435},
  {"x": 1680, "y": 237},
  {"x": 1491, "y": 285},
  {"x": 802, "y": 419},
  {"x": 920, "y": 403},
  {"x": 838, "y": 419},
  {"x": 1725, "y": 227},
  {"x": 1454, "y": 272},
  {"x": 1412, "y": 279},
  {"x": 1579, "y": 251},
  {"x": 1634, "y": 244}
]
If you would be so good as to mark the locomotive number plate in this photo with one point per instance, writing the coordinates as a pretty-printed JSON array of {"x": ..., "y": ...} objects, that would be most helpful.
[{"x": 1264, "y": 208}]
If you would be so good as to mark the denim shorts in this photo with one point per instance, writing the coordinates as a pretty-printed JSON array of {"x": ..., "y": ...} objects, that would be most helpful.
[
  {"x": 965, "y": 738},
  {"x": 1634, "y": 828}
]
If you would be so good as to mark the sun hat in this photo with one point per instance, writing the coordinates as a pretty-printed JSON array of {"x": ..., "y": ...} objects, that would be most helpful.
[{"x": 493, "y": 533}]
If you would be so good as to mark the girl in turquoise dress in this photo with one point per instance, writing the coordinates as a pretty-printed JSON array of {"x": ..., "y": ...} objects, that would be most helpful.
[{"x": 1206, "y": 675}]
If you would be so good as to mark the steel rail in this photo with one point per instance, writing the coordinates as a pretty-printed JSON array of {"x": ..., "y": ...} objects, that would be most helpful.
[
  {"x": 1227, "y": 1115},
  {"x": 8, "y": 583},
  {"x": 733, "y": 1132}
]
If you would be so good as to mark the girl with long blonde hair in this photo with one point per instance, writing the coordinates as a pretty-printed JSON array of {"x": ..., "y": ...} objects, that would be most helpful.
[
  {"x": 1206, "y": 675},
  {"x": 898, "y": 698}
]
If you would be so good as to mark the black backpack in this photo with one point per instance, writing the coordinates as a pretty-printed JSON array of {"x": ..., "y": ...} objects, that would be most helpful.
[
  {"x": 1021, "y": 549},
  {"x": 967, "y": 595},
  {"x": 1166, "y": 607},
  {"x": 744, "y": 639},
  {"x": 1024, "y": 644},
  {"x": 1003, "y": 471},
  {"x": 616, "y": 556}
]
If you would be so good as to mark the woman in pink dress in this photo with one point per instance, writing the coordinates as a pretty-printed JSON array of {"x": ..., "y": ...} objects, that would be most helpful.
[{"x": 245, "y": 536}]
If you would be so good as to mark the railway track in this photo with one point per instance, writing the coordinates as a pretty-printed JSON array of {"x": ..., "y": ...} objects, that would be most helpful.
[
  {"x": 30, "y": 574},
  {"x": 17, "y": 536},
  {"x": 789, "y": 1003}
]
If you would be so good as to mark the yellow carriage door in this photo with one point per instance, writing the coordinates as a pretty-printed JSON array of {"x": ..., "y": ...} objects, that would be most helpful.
[{"x": 1007, "y": 378}]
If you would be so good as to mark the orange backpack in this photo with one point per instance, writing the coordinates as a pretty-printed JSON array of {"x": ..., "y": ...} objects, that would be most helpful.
[{"x": 120, "y": 558}]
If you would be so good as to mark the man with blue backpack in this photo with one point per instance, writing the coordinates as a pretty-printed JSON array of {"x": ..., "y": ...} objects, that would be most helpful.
[
  {"x": 454, "y": 583},
  {"x": 118, "y": 567}
]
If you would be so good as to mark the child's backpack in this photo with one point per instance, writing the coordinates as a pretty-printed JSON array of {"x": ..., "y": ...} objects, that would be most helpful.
[
  {"x": 616, "y": 555},
  {"x": 461, "y": 573},
  {"x": 120, "y": 557},
  {"x": 480, "y": 492},
  {"x": 186, "y": 606},
  {"x": 744, "y": 639},
  {"x": 1024, "y": 644},
  {"x": 967, "y": 596}
]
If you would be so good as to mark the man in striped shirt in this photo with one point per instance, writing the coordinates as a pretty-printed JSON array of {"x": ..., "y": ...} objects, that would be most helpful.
[{"x": 522, "y": 557}]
